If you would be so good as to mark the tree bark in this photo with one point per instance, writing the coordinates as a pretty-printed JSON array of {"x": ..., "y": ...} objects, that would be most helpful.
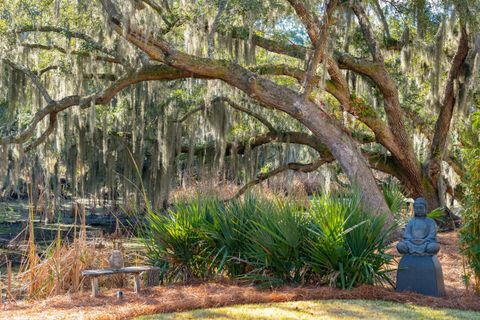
[
  {"x": 270, "y": 94},
  {"x": 434, "y": 165}
]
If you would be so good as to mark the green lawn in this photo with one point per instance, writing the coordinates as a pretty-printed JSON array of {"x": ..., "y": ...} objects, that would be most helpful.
[{"x": 323, "y": 309}]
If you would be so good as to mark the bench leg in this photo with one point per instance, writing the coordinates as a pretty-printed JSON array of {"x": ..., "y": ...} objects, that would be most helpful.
[
  {"x": 136, "y": 284},
  {"x": 95, "y": 289}
]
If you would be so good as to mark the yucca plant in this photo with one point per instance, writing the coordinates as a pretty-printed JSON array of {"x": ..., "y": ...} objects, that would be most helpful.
[{"x": 347, "y": 245}]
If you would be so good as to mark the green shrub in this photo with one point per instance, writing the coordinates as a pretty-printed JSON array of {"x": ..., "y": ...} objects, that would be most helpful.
[
  {"x": 270, "y": 243},
  {"x": 176, "y": 241},
  {"x": 276, "y": 236},
  {"x": 470, "y": 231},
  {"x": 228, "y": 231},
  {"x": 348, "y": 246},
  {"x": 395, "y": 199}
]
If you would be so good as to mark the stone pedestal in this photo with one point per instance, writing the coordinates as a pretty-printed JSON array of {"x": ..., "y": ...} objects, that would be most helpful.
[{"x": 420, "y": 274}]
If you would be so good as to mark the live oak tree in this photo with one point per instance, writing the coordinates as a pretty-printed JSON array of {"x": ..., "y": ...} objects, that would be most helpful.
[{"x": 360, "y": 83}]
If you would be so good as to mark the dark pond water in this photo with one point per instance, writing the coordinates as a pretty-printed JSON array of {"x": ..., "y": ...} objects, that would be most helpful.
[{"x": 100, "y": 222}]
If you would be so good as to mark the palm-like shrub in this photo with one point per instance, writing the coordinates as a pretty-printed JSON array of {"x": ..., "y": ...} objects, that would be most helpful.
[
  {"x": 395, "y": 199},
  {"x": 270, "y": 243},
  {"x": 470, "y": 240},
  {"x": 228, "y": 231},
  {"x": 276, "y": 236},
  {"x": 176, "y": 240},
  {"x": 367, "y": 241},
  {"x": 348, "y": 245}
]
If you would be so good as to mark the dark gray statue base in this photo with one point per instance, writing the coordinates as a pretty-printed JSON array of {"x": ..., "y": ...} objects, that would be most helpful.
[{"x": 420, "y": 274}]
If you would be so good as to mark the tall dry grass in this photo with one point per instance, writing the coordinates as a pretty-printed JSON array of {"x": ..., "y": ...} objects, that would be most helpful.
[{"x": 57, "y": 269}]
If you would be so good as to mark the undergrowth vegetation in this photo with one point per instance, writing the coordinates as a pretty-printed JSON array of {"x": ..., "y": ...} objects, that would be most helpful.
[
  {"x": 470, "y": 231},
  {"x": 271, "y": 243}
]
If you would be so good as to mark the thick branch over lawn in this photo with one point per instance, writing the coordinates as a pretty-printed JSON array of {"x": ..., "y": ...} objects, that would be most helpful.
[
  {"x": 147, "y": 73},
  {"x": 162, "y": 60},
  {"x": 268, "y": 93}
]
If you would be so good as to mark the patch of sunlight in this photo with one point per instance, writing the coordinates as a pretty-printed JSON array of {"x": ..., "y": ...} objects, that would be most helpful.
[{"x": 322, "y": 309}]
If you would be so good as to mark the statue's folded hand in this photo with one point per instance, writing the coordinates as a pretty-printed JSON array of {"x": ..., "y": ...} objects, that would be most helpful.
[{"x": 418, "y": 241}]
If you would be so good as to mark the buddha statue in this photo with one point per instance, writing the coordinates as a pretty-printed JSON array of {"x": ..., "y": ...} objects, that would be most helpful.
[{"x": 420, "y": 236}]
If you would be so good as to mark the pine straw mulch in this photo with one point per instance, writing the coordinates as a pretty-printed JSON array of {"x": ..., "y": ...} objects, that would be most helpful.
[{"x": 187, "y": 297}]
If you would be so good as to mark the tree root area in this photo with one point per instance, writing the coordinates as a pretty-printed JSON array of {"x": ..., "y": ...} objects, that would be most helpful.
[{"x": 174, "y": 298}]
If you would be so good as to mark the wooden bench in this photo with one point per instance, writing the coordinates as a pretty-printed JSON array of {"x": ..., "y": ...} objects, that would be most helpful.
[{"x": 95, "y": 274}]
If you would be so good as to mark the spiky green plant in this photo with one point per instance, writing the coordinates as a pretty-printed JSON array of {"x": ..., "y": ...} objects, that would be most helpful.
[
  {"x": 348, "y": 245},
  {"x": 270, "y": 242},
  {"x": 395, "y": 200},
  {"x": 176, "y": 241},
  {"x": 470, "y": 231},
  {"x": 228, "y": 232},
  {"x": 276, "y": 237}
]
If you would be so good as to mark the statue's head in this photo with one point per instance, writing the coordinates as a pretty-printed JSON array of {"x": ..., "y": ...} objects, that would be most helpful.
[{"x": 420, "y": 207}]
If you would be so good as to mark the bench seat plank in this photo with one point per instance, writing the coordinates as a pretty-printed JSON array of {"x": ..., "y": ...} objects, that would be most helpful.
[
  {"x": 102, "y": 272},
  {"x": 96, "y": 273}
]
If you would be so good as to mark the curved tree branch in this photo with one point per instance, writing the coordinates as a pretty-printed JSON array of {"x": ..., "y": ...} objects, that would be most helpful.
[
  {"x": 147, "y": 73},
  {"x": 45, "y": 70},
  {"x": 171, "y": 22},
  {"x": 213, "y": 28},
  {"x": 69, "y": 34},
  {"x": 404, "y": 153},
  {"x": 338, "y": 87},
  {"x": 372, "y": 69},
  {"x": 442, "y": 125},
  {"x": 34, "y": 79},
  {"x": 257, "y": 116},
  {"x": 294, "y": 166},
  {"x": 309, "y": 19},
  {"x": 378, "y": 10},
  {"x": 367, "y": 31},
  {"x": 45, "y": 134},
  {"x": 377, "y": 161},
  {"x": 291, "y": 50},
  {"x": 320, "y": 47},
  {"x": 270, "y": 137},
  {"x": 190, "y": 113},
  {"x": 75, "y": 52},
  {"x": 234, "y": 105}
]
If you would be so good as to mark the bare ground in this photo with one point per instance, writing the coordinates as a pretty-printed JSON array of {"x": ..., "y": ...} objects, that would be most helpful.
[{"x": 187, "y": 297}]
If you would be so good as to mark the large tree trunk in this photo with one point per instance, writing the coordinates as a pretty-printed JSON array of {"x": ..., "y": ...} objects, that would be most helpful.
[
  {"x": 270, "y": 94},
  {"x": 352, "y": 161}
]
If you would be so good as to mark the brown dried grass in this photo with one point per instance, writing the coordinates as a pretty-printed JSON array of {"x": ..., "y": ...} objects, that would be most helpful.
[
  {"x": 58, "y": 269},
  {"x": 204, "y": 188},
  {"x": 187, "y": 297},
  {"x": 295, "y": 185}
]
